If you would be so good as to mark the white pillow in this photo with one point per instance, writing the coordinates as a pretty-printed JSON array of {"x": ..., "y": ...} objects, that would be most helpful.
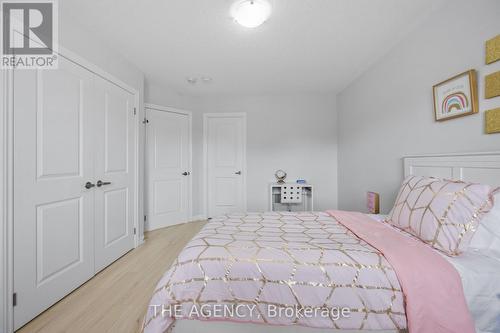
[{"x": 487, "y": 236}]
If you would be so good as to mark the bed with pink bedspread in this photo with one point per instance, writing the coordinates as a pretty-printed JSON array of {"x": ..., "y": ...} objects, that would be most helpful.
[{"x": 324, "y": 263}]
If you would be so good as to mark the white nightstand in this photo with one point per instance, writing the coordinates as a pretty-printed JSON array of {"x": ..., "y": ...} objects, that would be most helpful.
[{"x": 290, "y": 197}]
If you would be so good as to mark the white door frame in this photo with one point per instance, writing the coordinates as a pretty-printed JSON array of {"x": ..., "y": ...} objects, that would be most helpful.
[
  {"x": 7, "y": 185},
  {"x": 189, "y": 114},
  {"x": 206, "y": 117},
  {"x": 6, "y": 203}
]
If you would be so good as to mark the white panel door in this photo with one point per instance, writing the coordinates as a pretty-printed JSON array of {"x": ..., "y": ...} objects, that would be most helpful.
[
  {"x": 225, "y": 148},
  {"x": 168, "y": 163},
  {"x": 53, "y": 211},
  {"x": 114, "y": 172}
]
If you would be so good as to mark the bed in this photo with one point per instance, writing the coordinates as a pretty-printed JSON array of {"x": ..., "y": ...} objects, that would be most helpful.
[{"x": 322, "y": 260}]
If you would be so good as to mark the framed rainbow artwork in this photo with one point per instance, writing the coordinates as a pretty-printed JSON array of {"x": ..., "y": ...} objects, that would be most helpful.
[{"x": 456, "y": 97}]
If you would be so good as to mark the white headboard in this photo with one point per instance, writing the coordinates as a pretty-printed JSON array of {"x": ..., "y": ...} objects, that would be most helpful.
[{"x": 481, "y": 168}]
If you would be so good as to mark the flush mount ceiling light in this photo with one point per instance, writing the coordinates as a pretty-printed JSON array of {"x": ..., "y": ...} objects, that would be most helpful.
[{"x": 251, "y": 13}]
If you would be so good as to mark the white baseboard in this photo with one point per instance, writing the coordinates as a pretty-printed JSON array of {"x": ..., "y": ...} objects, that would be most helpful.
[
  {"x": 198, "y": 218},
  {"x": 195, "y": 218}
]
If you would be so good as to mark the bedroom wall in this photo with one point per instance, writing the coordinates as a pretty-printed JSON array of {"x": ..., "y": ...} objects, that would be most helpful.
[
  {"x": 156, "y": 93},
  {"x": 98, "y": 51},
  {"x": 309, "y": 153},
  {"x": 387, "y": 113}
]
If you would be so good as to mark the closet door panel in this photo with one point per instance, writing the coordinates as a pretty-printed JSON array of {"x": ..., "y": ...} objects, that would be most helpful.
[
  {"x": 114, "y": 167},
  {"x": 53, "y": 211},
  {"x": 117, "y": 109},
  {"x": 169, "y": 149},
  {"x": 59, "y": 115}
]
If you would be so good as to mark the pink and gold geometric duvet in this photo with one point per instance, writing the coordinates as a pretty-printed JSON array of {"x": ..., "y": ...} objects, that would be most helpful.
[{"x": 281, "y": 260}]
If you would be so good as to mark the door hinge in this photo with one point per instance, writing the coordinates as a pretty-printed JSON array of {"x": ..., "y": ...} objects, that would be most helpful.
[
  {"x": 14, "y": 299},
  {"x": 145, "y": 121},
  {"x": 135, "y": 231},
  {"x": 145, "y": 218},
  {"x": 135, "y": 111}
]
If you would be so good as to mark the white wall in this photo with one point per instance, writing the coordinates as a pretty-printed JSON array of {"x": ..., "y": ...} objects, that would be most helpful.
[
  {"x": 296, "y": 133},
  {"x": 98, "y": 51},
  {"x": 158, "y": 94},
  {"x": 388, "y": 112}
]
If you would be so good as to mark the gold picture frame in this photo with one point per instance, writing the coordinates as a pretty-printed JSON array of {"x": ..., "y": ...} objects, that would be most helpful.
[
  {"x": 456, "y": 97},
  {"x": 492, "y": 121},
  {"x": 492, "y": 85},
  {"x": 493, "y": 50}
]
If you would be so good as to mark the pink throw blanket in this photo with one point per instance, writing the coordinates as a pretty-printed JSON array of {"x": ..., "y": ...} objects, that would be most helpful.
[{"x": 432, "y": 287}]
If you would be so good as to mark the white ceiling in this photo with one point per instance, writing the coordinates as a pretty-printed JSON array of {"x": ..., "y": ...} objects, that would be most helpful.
[{"x": 306, "y": 46}]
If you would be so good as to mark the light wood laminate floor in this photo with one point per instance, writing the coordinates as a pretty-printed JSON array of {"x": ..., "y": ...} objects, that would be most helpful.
[{"x": 116, "y": 299}]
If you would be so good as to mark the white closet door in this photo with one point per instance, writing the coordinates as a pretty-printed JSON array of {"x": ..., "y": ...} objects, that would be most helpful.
[
  {"x": 114, "y": 167},
  {"x": 225, "y": 158},
  {"x": 168, "y": 154},
  {"x": 53, "y": 211}
]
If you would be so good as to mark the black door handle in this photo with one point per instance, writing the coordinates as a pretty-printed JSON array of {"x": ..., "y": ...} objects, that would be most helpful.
[
  {"x": 237, "y": 173},
  {"x": 101, "y": 183},
  {"x": 185, "y": 173},
  {"x": 89, "y": 185}
]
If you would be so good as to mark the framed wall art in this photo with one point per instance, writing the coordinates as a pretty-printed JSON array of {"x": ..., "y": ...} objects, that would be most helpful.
[
  {"x": 492, "y": 121},
  {"x": 456, "y": 97},
  {"x": 493, "y": 50},
  {"x": 492, "y": 85}
]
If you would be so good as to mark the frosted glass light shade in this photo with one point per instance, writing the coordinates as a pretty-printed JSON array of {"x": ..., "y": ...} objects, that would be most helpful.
[{"x": 251, "y": 13}]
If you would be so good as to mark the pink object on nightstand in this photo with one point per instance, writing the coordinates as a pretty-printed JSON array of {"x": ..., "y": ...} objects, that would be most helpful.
[{"x": 373, "y": 202}]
